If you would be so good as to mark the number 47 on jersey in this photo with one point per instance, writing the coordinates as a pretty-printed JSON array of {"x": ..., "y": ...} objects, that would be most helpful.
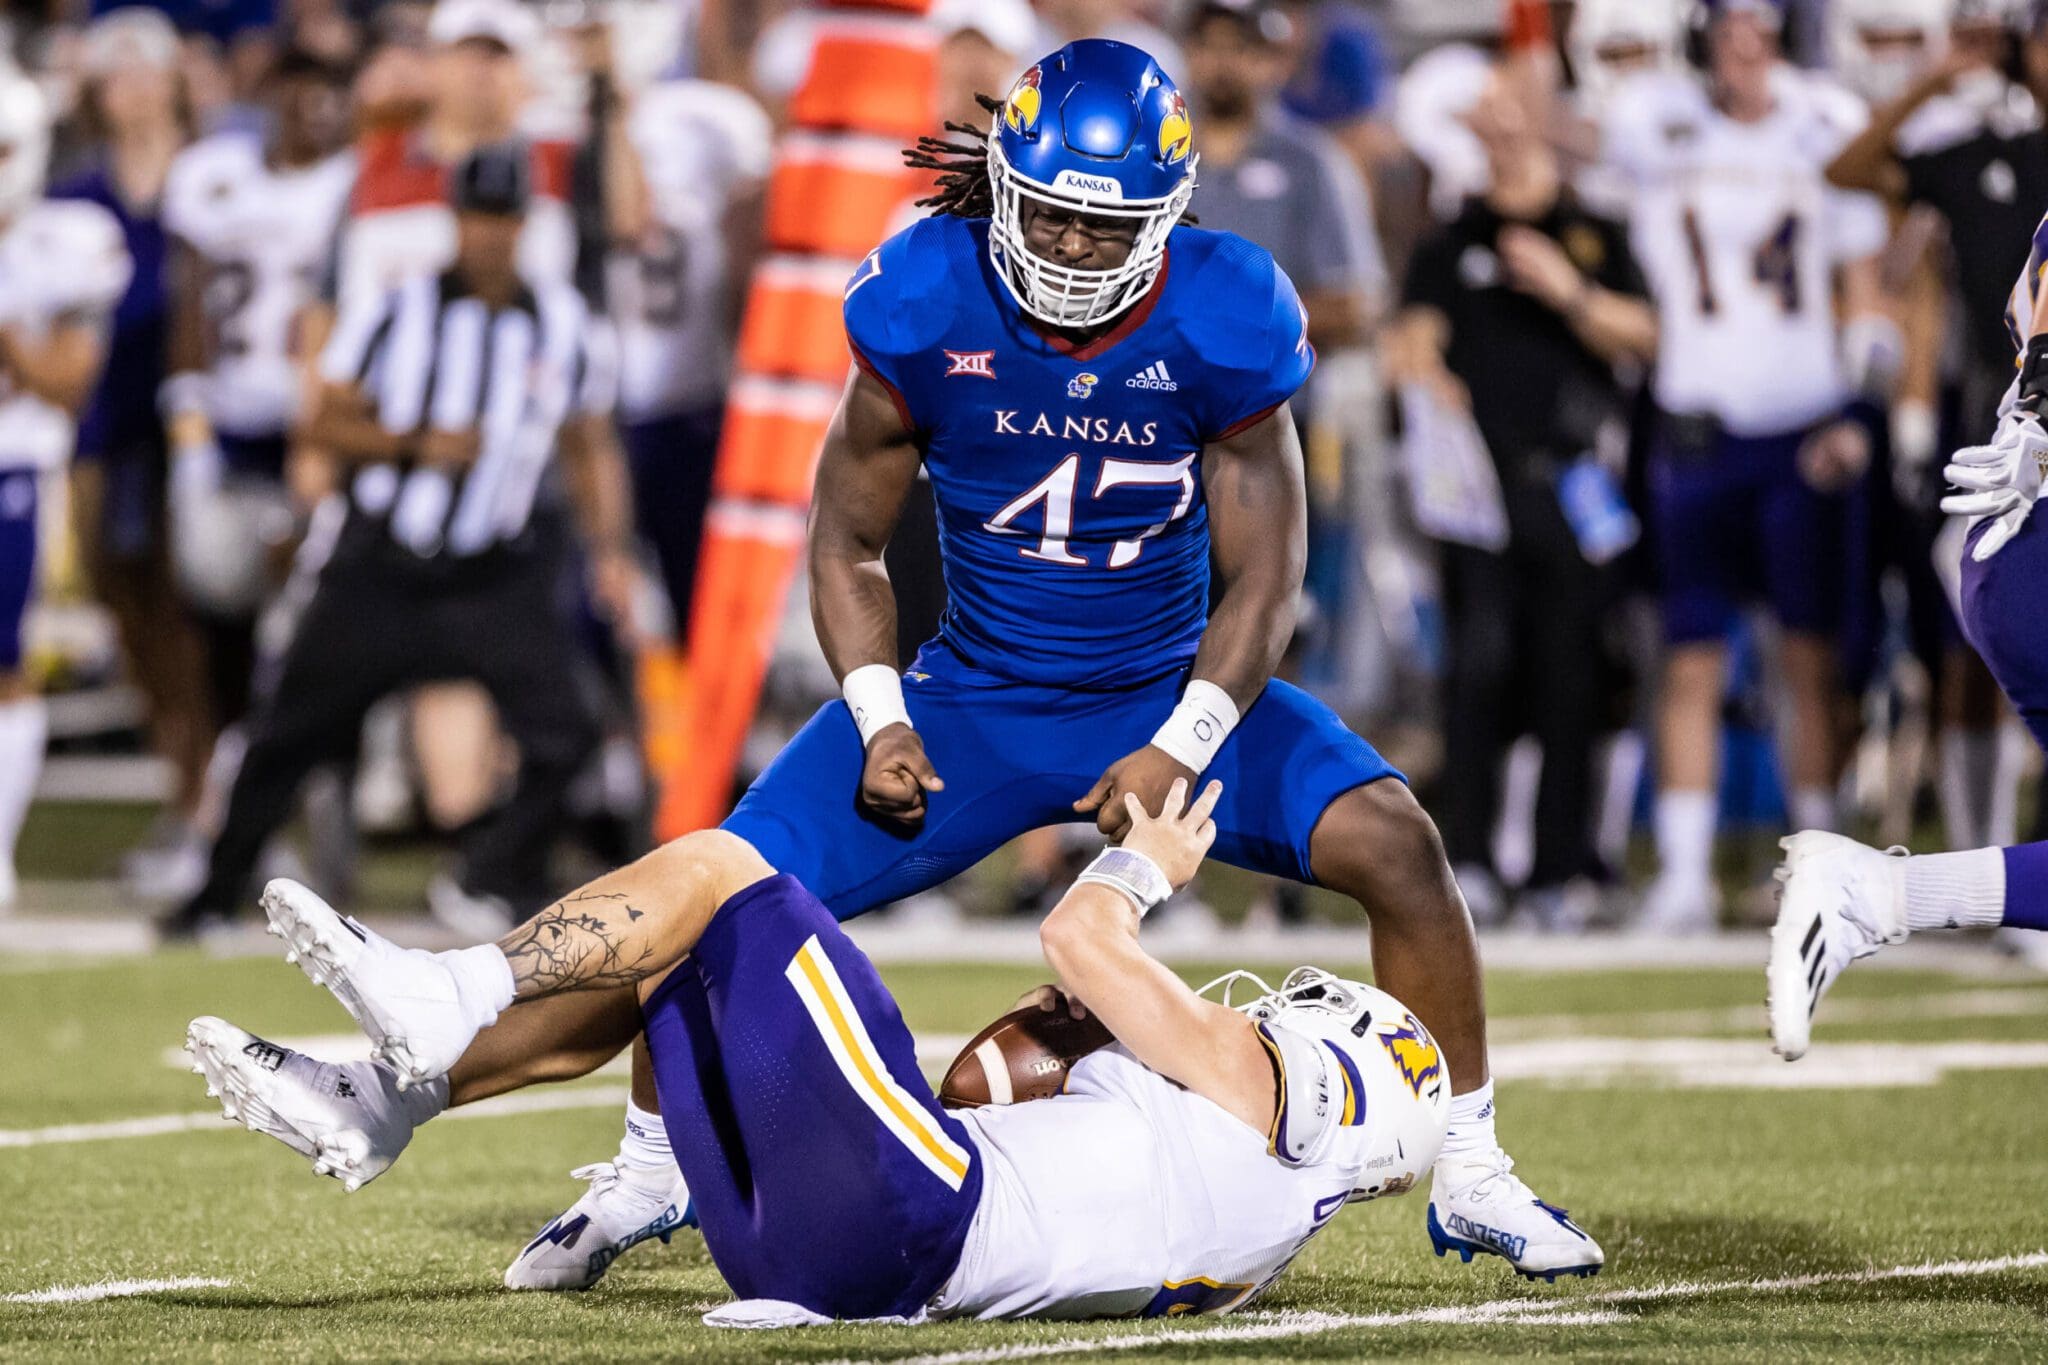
[{"x": 1057, "y": 491}]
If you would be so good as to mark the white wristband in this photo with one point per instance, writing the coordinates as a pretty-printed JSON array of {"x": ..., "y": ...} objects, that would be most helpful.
[
  {"x": 1137, "y": 877},
  {"x": 874, "y": 693},
  {"x": 1198, "y": 726}
]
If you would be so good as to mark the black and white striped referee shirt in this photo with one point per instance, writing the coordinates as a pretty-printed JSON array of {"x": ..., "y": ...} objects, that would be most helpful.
[{"x": 431, "y": 357}]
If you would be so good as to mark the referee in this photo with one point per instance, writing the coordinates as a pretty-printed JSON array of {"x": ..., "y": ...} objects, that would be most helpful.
[{"x": 446, "y": 401}]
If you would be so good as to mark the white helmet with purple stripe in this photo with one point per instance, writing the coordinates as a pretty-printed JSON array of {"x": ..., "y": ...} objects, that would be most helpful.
[{"x": 1363, "y": 1088}]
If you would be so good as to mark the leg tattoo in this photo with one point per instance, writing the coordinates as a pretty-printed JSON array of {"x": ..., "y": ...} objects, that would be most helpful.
[{"x": 582, "y": 943}]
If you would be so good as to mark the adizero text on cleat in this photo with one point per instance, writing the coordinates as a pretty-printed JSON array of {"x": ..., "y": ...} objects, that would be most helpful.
[
  {"x": 624, "y": 1206},
  {"x": 1482, "y": 1208}
]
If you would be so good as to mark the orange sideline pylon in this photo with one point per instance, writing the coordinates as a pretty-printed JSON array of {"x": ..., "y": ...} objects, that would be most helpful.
[{"x": 870, "y": 90}]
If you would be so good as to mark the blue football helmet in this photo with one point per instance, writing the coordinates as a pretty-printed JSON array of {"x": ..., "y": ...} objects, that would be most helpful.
[{"x": 1095, "y": 128}]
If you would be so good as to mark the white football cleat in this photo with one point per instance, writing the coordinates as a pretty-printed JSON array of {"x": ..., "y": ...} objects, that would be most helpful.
[
  {"x": 406, "y": 1000},
  {"x": 347, "y": 1116},
  {"x": 1841, "y": 900},
  {"x": 1481, "y": 1207},
  {"x": 624, "y": 1206}
]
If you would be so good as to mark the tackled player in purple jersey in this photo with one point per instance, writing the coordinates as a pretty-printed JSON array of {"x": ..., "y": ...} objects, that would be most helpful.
[
  {"x": 1843, "y": 900},
  {"x": 1099, "y": 393}
]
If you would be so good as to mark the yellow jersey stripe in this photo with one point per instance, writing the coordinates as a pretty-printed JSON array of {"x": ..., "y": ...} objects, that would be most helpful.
[
  {"x": 860, "y": 1048},
  {"x": 831, "y": 1010}
]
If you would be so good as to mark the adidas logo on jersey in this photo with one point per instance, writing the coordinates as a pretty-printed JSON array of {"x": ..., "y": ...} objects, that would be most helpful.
[{"x": 1153, "y": 376}]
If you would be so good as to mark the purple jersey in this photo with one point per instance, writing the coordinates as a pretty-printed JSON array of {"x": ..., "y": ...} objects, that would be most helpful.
[{"x": 1072, "y": 520}]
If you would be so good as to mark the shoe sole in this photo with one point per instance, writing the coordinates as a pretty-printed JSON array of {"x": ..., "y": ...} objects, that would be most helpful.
[
  {"x": 216, "y": 1048},
  {"x": 1444, "y": 1244},
  {"x": 1792, "y": 984},
  {"x": 326, "y": 948}
]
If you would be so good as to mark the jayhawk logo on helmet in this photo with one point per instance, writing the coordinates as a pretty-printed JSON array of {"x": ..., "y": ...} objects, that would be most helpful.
[
  {"x": 1020, "y": 111},
  {"x": 1414, "y": 1052},
  {"x": 1176, "y": 134}
]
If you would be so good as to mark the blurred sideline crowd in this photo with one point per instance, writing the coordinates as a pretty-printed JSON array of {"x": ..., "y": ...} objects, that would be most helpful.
[{"x": 1641, "y": 324}]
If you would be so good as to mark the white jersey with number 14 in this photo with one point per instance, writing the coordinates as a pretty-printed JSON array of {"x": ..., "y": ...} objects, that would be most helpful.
[{"x": 1739, "y": 234}]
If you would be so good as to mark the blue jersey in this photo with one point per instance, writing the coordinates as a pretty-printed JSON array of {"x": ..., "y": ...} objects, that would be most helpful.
[{"x": 1072, "y": 521}]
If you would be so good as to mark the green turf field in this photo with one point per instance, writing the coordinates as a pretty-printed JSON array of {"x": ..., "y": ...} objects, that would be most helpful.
[{"x": 1700, "y": 1183}]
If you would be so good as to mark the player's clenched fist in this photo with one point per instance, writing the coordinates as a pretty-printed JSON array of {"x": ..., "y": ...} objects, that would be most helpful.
[
  {"x": 896, "y": 776},
  {"x": 1146, "y": 774}
]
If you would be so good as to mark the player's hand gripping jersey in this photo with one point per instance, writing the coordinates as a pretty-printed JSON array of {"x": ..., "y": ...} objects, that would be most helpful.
[
  {"x": 1069, "y": 481},
  {"x": 264, "y": 236},
  {"x": 1739, "y": 234},
  {"x": 1130, "y": 1196},
  {"x": 60, "y": 261}
]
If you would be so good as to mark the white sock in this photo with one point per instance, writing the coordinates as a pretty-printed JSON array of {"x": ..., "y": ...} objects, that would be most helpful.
[
  {"x": 1685, "y": 833},
  {"x": 1955, "y": 890},
  {"x": 483, "y": 982},
  {"x": 1811, "y": 808},
  {"x": 1965, "y": 756},
  {"x": 1621, "y": 782},
  {"x": 1471, "y": 1131},
  {"x": 24, "y": 726},
  {"x": 2002, "y": 801},
  {"x": 645, "y": 1145}
]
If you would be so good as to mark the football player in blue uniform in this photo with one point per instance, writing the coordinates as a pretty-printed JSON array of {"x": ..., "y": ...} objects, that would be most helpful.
[
  {"x": 1099, "y": 394},
  {"x": 1843, "y": 900}
]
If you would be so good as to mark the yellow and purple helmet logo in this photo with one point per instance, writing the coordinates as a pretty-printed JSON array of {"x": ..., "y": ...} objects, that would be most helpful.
[
  {"x": 1021, "y": 110},
  {"x": 1176, "y": 134},
  {"x": 1414, "y": 1052}
]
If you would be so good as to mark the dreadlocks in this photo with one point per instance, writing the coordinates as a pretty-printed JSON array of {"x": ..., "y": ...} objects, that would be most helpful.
[{"x": 964, "y": 188}]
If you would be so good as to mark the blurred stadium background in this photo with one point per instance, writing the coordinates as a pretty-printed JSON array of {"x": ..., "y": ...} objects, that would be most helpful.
[
  {"x": 1497, "y": 595},
  {"x": 705, "y": 172}
]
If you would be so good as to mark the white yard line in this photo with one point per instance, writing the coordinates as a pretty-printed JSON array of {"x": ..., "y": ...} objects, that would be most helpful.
[
  {"x": 113, "y": 1289},
  {"x": 1579, "y": 1310},
  {"x": 1748, "y": 1064},
  {"x": 355, "y": 1047},
  {"x": 57, "y": 933},
  {"x": 155, "y": 1125},
  {"x": 1927, "y": 1270},
  {"x": 1280, "y": 1327},
  {"x": 1987, "y": 1003}
]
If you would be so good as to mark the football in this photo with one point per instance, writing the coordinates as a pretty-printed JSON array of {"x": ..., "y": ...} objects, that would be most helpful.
[{"x": 1025, "y": 1055}]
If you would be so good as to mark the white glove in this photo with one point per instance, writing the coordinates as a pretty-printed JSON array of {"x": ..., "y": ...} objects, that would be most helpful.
[{"x": 2000, "y": 480}]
